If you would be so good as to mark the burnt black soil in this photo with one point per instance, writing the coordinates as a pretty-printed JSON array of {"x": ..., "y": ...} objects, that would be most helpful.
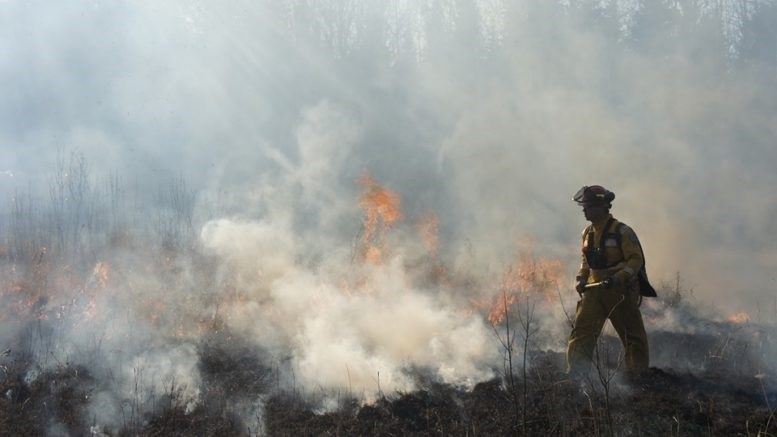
[
  {"x": 714, "y": 401},
  {"x": 658, "y": 402}
]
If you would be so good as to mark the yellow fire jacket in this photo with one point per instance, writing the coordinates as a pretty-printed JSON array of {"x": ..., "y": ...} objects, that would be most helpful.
[{"x": 623, "y": 262}]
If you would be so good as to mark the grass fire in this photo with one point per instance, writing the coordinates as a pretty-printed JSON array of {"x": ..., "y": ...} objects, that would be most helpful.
[{"x": 357, "y": 218}]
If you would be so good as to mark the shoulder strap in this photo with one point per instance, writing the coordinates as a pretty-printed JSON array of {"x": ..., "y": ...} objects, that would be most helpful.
[
  {"x": 619, "y": 237},
  {"x": 604, "y": 232}
]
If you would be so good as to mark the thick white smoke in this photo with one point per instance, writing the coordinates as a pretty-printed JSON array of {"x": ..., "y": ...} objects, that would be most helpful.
[{"x": 347, "y": 323}]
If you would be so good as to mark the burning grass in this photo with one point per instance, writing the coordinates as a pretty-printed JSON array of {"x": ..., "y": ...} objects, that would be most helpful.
[{"x": 205, "y": 337}]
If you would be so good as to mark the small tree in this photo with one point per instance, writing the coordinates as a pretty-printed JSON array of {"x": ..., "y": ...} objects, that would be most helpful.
[
  {"x": 498, "y": 315},
  {"x": 605, "y": 371},
  {"x": 525, "y": 313}
]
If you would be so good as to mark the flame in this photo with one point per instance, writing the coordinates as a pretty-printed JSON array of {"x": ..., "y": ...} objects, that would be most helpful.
[
  {"x": 536, "y": 276},
  {"x": 373, "y": 254},
  {"x": 91, "y": 308},
  {"x": 501, "y": 306},
  {"x": 26, "y": 299},
  {"x": 98, "y": 281},
  {"x": 528, "y": 277},
  {"x": 429, "y": 229},
  {"x": 101, "y": 271},
  {"x": 739, "y": 318},
  {"x": 542, "y": 275},
  {"x": 381, "y": 209}
]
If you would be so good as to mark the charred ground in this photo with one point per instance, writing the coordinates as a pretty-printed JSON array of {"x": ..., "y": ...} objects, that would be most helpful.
[{"x": 713, "y": 401}]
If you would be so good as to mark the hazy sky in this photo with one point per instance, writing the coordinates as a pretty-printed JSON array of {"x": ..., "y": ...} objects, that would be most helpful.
[{"x": 490, "y": 113}]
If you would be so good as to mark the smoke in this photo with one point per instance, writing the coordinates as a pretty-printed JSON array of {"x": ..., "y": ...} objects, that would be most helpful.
[
  {"x": 476, "y": 104},
  {"x": 485, "y": 115},
  {"x": 349, "y": 324}
]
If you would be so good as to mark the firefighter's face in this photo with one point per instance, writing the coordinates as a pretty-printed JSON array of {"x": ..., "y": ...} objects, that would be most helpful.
[{"x": 594, "y": 212}]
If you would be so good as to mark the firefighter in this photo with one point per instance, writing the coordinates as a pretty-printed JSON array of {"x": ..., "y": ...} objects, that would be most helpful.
[{"x": 613, "y": 267}]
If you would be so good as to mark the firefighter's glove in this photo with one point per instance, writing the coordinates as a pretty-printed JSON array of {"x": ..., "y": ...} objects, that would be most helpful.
[
  {"x": 580, "y": 287},
  {"x": 610, "y": 282}
]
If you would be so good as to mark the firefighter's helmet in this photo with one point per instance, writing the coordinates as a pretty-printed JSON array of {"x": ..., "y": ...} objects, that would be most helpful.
[{"x": 594, "y": 195}]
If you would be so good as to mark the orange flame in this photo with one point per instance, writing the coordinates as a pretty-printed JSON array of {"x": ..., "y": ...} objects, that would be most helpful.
[
  {"x": 502, "y": 305},
  {"x": 529, "y": 276},
  {"x": 381, "y": 209},
  {"x": 429, "y": 230},
  {"x": 100, "y": 277},
  {"x": 539, "y": 275},
  {"x": 739, "y": 318}
]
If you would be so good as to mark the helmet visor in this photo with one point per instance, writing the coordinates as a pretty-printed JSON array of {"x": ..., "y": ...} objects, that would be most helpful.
[
  {"x": 593, "y": 195},
  {"x": 580, "y": 195}
]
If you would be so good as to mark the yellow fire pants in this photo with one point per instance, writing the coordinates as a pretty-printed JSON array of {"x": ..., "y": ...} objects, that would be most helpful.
[{"x": 621, "y": 307}]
